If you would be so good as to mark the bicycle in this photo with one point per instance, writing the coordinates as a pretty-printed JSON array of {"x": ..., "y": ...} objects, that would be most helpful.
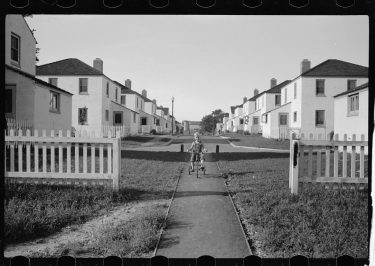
[{"x": 197, "y": 166}]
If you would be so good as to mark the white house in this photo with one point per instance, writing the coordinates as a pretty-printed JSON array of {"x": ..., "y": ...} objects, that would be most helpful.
[
  {"x": 310, "y": 95},
  {"x": 351, "y": 112},
  {"x": 27, "y": 98},
  {"x": 251, "y": 114}
]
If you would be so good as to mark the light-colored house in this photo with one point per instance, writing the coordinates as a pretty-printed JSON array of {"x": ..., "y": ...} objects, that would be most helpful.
[
  {"x": 310, "y": 95},
  {"x": 27, "y": 98},
  {"x": 251, "y": 114},
  {"x": 96, "y": 98},
  {"x": 351, "y": 112}
]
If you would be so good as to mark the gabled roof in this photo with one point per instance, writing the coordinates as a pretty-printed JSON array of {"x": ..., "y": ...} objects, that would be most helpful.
[
  {"x": 336, "y": 68},
  {"x": 67, "y": 67},
  {"x": 126, "y": 90},
  {"x": 358, "y": 88},
  {"x": 277, "y": 88},
  {"x": 39, "y": 81}
]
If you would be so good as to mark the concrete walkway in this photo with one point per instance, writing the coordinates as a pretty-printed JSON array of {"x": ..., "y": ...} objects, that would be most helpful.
[{"x": 202, "y": 220}]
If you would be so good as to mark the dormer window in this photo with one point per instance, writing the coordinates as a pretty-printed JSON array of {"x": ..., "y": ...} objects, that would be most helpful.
[{"x": 15, "y": 48}]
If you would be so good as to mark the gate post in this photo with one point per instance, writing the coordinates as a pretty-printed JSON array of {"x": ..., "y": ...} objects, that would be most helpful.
[
  {"x": 294, "y": 165},
  {"x": 116, "y": 162},
  {"x": 217, "y": 148},
  {"x": 182, "y": 148}
]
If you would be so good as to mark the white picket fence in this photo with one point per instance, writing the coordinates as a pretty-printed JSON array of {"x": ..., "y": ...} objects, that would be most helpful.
[
  {"x": 320, "y": 152},
  {"x": 124, "y": 131},
  {"x": 16, "y": 125},
  {"x": 49, "y": 158},
  {"x": 256, "y": 129}
]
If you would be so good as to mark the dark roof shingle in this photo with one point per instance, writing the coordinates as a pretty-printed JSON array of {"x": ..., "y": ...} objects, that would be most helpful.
[
  {"x": 67, "y": 67},
  {"x": 336, "y": 68}
]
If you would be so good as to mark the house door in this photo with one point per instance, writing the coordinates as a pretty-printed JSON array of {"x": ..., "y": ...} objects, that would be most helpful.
[{"x": 283, "y": 125}]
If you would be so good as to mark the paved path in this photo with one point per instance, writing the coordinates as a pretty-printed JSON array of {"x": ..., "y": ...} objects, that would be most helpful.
[{"x": 202, "y": 220}]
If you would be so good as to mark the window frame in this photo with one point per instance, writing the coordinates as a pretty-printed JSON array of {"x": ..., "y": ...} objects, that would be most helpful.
[
  {"x": 255, "y": 118},
  {"x": 79, "y": 86},
  {"x": 355, "y": 102},
  {"x": 316, "y": 118},
  {"x": 13, "y": 89},
  {"x": 276, "y": 97},
  {"x": 51, "y": 108},
  {"x": 79, "y": 116},
  {"x": 317, "y": 93},
  {"x": 107, "y": 90},
  {"x": 116, "y": 94},
  {"x": 134, "y": 118},
  {"x": 18, "y": 38}
]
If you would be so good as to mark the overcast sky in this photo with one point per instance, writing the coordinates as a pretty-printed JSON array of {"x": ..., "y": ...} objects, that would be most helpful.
[{"x": 205, "y": 62}]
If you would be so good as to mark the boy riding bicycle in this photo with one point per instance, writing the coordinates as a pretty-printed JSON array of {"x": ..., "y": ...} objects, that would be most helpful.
[{"x": 197, "y": 149}]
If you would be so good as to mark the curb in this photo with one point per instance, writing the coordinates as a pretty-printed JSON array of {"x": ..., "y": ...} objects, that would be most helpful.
[
  {"x": 166, "y": 216},
  {"x": 235, "y": 210}
]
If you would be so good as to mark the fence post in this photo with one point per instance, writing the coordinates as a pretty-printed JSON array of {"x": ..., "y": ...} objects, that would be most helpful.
[
  {"x": 294, "y": 165},
  {"x": 116, "y": 162},
  {"x": 291, "y": 138}
]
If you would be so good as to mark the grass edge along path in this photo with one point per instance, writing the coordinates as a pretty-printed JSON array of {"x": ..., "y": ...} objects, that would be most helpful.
[
  {"x": 316, "y": 223},
  {"x": 256, "y": 141}
]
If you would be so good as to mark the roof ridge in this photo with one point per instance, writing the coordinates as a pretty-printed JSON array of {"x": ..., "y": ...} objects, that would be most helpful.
[{"x": 58, "y": 61}]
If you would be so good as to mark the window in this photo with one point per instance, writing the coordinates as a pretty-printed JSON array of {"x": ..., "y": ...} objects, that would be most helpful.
[
  {"x": 353, "y": 102},
  {"x": 54, "y": 101},
  {"x": 319, "y": 118},
  {"x": 123, "y": 99},
  {"x": 10, "y": 100},
  {"x": 295, "y": 117},
  {"x": 277, "y": 99},
  {"x": 107, "y": 90},
  {"x": 283, "y": 119},
  {"x": 352, "y": 83},
  {"x": 255, "y": 120},
  {"x": 106, "y": 115},
  {"x": 295, "y": 90},
  {"x": 143, "y": 121},
  {"x": 117, "y": 118},
  {"x": 264, "y": 118},
  {"x": 82, "y": 116},
  {"x": 83, "y": 85},
  {"x": 15, "y": 48},
  {"x": 116, "y": 95},
  {"x": 320, "y": 87},
  {"x": 286, "y": 95},
  {"x": 52, "y": 81},
  {"x": 134, "y": 117},
  {"x": 241, "y": 121},
  {"x": 137, "y": 102},
  {"x": 158, "y": 122}
]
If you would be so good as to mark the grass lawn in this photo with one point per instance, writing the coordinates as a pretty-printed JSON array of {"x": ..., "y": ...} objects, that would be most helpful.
[
  {"x": 136, "y": 141},
  {"x": 257, "y": 141},
  {"x": 33, "y": 211},
  {"x": 315, "y": 223}
]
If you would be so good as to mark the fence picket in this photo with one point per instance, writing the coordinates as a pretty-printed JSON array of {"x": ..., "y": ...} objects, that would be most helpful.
[
  {"x": 60, "y": 153},
  {"x": 76, "y": 155},
  {"x": 109, "y": 159},
  {"x": 353, "y": 155},
  {"x": 36, "y": 153},
  {"x": 335, "y": 158},
  {"x": 11, "y": 133},
  {"x": 28, "y": 152},
  {"x": 345, "y": 159},
  {"x": 44, "y": 149},
  {"x": 85, "y": 158},
  {"x": 52, "y": 153},
  {"x": 319, "y": 159},
  {"x": 101, "y": 158},
  {"x": 362, "y": 159},
  {"x": 327, "y": 161},
  {"x": 69, "y": 158},
  {"x": 92, "y": 153},
  {"x": 301, "y": 160},
  {"x": 20, "y": 166}
]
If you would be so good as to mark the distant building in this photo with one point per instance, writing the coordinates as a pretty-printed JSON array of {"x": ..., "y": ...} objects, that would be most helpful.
[{"x": 190, "y": 127}]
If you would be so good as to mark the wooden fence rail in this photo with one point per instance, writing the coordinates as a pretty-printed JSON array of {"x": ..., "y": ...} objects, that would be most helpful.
[
  {"x": 328, "y": 160},
  {"x": 60, "y": 157}
]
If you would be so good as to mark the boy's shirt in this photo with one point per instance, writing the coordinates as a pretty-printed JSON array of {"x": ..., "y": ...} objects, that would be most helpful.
[{"x": 197, "y": 147}]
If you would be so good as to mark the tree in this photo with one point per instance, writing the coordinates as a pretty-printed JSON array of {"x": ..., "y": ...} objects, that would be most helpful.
[
  {"x": 208, "y": 123},
  {"x": 218, "y": 114}
]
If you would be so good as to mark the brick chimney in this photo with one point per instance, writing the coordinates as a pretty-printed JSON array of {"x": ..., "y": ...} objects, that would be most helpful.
[
  {"x": 244, "y": 99},
  {"x": 128, "y": 83},
  {"x": 144, "y": 93},
  {"x": 98, "y": 64},
  {"x": 273, "y": 82},
  {"x": 305, "y": 65},
  {"x": 154, "y": 101},
  {"x": 256, "y": 92}
]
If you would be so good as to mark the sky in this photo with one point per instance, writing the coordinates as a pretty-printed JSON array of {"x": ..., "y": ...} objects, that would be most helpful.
[{"x": 204, "y": 62}]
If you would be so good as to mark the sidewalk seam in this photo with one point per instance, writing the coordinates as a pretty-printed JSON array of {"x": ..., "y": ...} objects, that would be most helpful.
[
  {"x": 166, "y": 216},
  {"x": 235, "y": 210}
]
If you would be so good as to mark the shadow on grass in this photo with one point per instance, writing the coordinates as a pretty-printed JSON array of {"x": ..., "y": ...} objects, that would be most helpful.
[
  {"x": 183, "y": 194},
  {"x": 129, "y": 194},
  {"x": 167, "y": 156}
]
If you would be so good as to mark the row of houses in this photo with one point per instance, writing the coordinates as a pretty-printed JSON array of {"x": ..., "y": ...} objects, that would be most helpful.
[
  {"x": 331, "y": 97},
  {"x": 70, "y": 94}
]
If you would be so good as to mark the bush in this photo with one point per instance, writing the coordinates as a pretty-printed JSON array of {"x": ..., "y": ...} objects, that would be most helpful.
[
  {"x": 246, "y": 132},
  {"x": 153, "y": 132}
]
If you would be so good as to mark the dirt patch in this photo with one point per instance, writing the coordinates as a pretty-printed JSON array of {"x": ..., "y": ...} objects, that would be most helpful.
[{"x": 72, "y": 239}]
